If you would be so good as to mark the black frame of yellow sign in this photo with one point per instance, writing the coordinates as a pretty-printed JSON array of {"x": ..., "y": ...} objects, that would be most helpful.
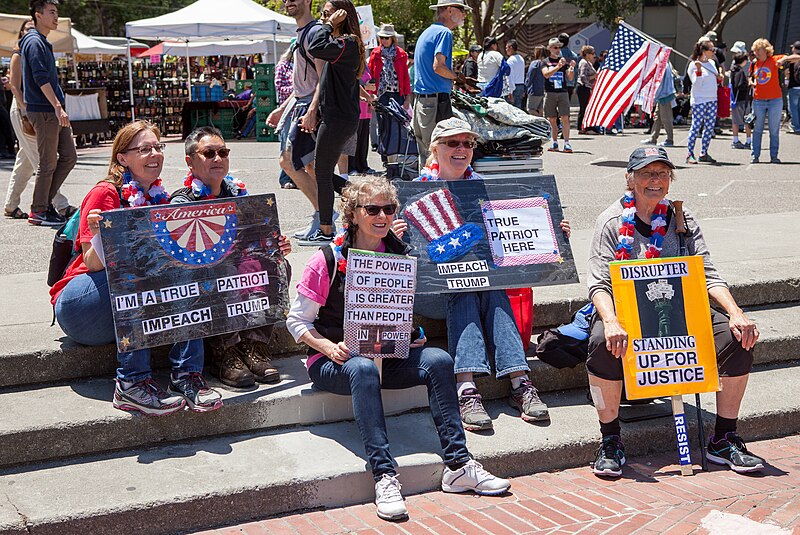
[{"x": 663, "y": 306}]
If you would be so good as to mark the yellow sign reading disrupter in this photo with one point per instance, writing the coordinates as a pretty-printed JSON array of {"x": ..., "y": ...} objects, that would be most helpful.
[{"x": 663, "y": 306}]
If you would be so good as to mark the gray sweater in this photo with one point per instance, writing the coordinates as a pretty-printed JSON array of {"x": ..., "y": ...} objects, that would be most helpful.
[{"x": 606, "y": 236}]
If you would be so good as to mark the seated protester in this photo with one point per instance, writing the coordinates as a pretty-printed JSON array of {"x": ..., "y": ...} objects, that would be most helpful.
[
  {"x": 317, "y": 319},
  {"x": 645, "y": 208},
  {"x": 239, "y": 359},
  {"x": 478, "y": 323},
  {"x": 81, "y": 298}
]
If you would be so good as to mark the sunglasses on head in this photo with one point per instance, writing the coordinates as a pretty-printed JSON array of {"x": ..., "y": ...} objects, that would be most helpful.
[
  {"x": 454, "y": 143},
  {"x": 209, "y": 154},
  {"x": 374, "y": 209}
]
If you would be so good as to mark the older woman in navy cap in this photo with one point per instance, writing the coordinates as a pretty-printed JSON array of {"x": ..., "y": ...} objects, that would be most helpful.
[{"x": 642, "y": 224}]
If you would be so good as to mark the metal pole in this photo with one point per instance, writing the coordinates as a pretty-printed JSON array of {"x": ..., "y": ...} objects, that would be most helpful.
[
  {"x": 189, "y": 71},
  {"x": 274, "y": 49},
  {"x": 701, "y": 433},
  {"x": 130, "y": 81}
]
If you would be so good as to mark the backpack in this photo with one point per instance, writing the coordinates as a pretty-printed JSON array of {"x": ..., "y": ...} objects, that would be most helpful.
[
  {"x": 494, "y": 88},
  {"x": 64, "y": 249}
]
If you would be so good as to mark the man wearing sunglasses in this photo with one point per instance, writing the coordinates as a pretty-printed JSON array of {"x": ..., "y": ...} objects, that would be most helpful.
[
  {"x": 239, "y": 359},
  {"x": 433, "y": 72}
]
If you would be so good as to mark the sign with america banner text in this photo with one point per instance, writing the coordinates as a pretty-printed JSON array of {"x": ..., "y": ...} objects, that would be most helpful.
[
  {"x": 186, "y": 271},
  {"x": 476, "y": 235}
]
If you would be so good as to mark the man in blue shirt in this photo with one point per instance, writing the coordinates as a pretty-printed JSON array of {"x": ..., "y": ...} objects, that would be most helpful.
[
  {"x": 433, "y": 73},
  {"x": 44, "y": 100}
]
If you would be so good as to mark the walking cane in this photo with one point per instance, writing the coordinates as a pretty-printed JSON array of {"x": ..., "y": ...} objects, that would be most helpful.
[{"x": 681, "y": 231}]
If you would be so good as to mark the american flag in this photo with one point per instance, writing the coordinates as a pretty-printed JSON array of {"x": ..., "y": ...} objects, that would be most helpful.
[{"x": 632, "y": 63}]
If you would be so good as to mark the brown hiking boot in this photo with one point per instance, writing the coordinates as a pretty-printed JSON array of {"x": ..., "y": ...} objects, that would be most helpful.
[
  {"x": 256, "y": 357},
  {"x": 228, "y": 366}
]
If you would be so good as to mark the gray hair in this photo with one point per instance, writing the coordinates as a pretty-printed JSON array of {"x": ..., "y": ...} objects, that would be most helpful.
[{"x": 190, "y": 145}]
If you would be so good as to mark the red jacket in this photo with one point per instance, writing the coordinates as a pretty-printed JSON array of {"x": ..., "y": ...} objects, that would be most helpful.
[{"x": 375, "y": 64}]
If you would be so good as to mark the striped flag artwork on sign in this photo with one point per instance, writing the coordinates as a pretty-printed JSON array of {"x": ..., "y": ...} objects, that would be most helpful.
[{"x": 633, "y": 61}]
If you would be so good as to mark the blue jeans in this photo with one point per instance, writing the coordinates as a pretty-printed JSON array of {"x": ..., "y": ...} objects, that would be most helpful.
[
  {"x": 767, "y": 109},
  {"x": 83, "y": 310},
  {"x": 794, "y": 107},
  {"x": 358, "y": 377},
  {"x": 479, "y": 323},
  {"x": 519, "y": 92}
]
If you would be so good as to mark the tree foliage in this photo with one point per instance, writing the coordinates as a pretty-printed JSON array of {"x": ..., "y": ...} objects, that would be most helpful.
[
  {"x": 607, "y": 12},
  {"x": 512, "y": 16},
  {"x": 716, "y": 20}
]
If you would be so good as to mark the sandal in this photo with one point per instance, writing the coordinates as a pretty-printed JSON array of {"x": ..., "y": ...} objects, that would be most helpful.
[{"x": 17, "y": 214}]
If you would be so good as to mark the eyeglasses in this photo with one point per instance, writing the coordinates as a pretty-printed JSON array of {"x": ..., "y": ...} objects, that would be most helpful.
[
  {"x": 145, "y": 150},
  {"x": 461, "y": 9},
  {"x": 649, "y": 175},
  {"x": 454, "y": 144},
  {"x": 209, "y": 154},
  {"x": 382, "y": 37},
  {"x": 374, "y": 209}
]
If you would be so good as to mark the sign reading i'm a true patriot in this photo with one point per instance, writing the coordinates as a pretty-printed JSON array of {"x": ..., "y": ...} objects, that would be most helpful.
[
  {"x": 187, "y": 271},
  {"x": 379, "y": 303},
  {"x": 663, "y": 306}
]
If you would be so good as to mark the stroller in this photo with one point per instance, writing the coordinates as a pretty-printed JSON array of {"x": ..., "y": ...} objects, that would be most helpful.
[{"x": 396, "y": 144}]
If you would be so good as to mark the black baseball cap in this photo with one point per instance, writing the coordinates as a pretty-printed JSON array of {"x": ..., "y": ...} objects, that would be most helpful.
[
  {"x": 475, "y": 48},
  {"x": 645, "y": 156},
  {"x": 796, "y": 45}
]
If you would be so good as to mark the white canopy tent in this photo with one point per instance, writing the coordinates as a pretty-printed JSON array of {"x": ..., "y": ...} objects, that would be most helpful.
[
  {"x": 212, "y": 20},
  {"x": 86, "y": 45},
  {"x": 210, "y": 48},
  {"x": 62, "y": 38}
]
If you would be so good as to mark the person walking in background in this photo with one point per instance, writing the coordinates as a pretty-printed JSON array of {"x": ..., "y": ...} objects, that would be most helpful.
[
  {"x": 767, "y": 98},
  {"x": 284, "y": 71},
  {"x": 470, "y": 68},
  {"x": 570, "y": 56},
  {"x": 27, "y": 159},
  {"x": 557, "y": 70},
  {"x": 489, "y": 61},
  {"x": 703, "y": 73},
  {"x": 741, "y": 101},
  {"x": 358, "y": 164},
  {"x": 534, "y": 82},
  {"x": 665, "y": 98},
  {"x": 388, "y": 65},
  {"x": 44, "y": 102},
  {"x": 586, "y": 78},
  {"x": 433, "y": 73},
  {"x": 793, "y": 94},
  {"x": 516, "y": 80}
]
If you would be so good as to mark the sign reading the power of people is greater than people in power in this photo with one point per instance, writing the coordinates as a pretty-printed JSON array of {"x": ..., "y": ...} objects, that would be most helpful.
[
  {"x": 663, "y": 306},
  {"x": 187, "y": 271}
]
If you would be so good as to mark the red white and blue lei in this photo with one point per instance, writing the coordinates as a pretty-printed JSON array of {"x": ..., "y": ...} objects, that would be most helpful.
[
  {"x": 658, "y": 227},
  {"x": 135, "y": 195},
  {"x": 202, "y": 191},
  {"x": 430, "y": 173}
]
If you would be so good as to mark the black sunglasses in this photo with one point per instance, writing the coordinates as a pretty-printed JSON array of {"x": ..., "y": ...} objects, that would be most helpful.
[
  {"x": 208, "y": 154},
  {"x": 454, "y": 143},
  {"x": 374, "y": 209}
]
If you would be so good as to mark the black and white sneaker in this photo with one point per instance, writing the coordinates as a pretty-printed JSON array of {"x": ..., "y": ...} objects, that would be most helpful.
[
  {"x": 732, "y": 451},
  {"x": 45, "y": 219},
  {"x": 610, "y": 457},
  {"x": 316, "y": 239}
]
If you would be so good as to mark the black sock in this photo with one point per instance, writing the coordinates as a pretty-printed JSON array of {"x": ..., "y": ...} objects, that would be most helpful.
[
  {"x": 611, "y": 428},
  {"x": 456, "y": 466},
  {"x": 724, "y": 426}
]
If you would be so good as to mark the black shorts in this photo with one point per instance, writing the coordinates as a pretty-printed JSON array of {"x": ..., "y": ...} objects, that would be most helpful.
[{"x": 732, "y": 359}]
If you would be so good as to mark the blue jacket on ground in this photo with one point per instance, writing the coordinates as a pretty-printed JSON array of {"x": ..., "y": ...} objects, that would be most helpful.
[{"x": 38, "y": 68}]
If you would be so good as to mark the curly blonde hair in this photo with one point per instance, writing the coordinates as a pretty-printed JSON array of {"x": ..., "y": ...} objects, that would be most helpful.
[
  {"x": 359, "y": 191},
  {"x": 763, "y": 43}
]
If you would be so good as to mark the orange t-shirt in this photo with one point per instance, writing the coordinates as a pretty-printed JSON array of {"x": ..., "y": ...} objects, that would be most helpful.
[
  {"x": 104, "y": 196},
  {"x": 767, "y": 79}
]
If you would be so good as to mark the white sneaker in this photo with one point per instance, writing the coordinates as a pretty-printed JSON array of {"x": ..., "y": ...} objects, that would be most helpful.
[
  {"x": 389, "y": 500},
  {"x": 473, "y": 477}
]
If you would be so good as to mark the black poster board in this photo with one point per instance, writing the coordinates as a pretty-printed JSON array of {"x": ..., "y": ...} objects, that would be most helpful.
[
  {"x": 185, "y": 271},
  {"x": 473, "y": 235}
]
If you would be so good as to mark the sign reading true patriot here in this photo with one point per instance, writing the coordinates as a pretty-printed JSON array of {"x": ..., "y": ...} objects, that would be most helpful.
[
  {"x": 473, "y": 235},
  {"x": 186, "y": 271},
  {"x": 663, "y": 306}
]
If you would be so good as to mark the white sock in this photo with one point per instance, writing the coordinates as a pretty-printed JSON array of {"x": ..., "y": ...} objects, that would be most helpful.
[
  {"x": 466, "y": 385},
  {"x": 736, "y": 138},
  {"x": 517, "y": 381},
  {"x": 749, "y": 139},
  {"x": 344, "y": 176}
]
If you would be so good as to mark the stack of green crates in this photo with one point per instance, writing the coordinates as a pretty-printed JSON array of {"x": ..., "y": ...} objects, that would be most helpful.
[
  {"x": 222, "y": 119},
  {"x": 266, "y": 100}
]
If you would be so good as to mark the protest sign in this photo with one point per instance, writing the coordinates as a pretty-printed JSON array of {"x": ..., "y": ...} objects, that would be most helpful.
[
  {"x": 366, "y": 23},
  {"x": 186, "y": 271},
  {"x": 379, "y": 303},
  {"x": 479, "y": 234},
  {"x": 663, "y": 306}
]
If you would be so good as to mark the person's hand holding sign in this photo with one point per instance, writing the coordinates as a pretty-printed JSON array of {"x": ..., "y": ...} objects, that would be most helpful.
[
  {"x": 93, "y": 219},
  {"x": 616, "y": 337}
]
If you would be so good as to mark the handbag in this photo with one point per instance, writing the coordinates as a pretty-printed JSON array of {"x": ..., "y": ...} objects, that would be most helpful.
[{"x": 27, "y": 127}]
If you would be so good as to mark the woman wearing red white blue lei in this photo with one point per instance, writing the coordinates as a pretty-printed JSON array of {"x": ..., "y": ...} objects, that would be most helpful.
[
  {"x": 239, "y": 359},
  {"x": 81, "y": 298},
  {"x": 642, "y": 224}
]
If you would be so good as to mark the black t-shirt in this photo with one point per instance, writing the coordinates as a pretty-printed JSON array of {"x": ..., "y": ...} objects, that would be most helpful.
[
  {"x": 794, "y": 74},
  {"x": 557, "y": 83},
  {"x": 470, "y": 68},
  {"x": 339, "y": 88}
]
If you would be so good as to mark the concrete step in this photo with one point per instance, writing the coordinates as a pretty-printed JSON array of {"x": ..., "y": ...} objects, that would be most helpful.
[
  {"x": 233, "y": 478},
  {"x": 77, "y": 418},
  {"x": 36, "y": 352}
]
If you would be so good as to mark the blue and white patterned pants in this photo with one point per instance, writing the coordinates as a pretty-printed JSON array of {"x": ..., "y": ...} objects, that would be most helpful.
[{"x": 703, "y": 116}]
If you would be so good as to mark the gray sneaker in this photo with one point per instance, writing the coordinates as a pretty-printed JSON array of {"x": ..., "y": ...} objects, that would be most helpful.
[
  {"x": 310, "y": 229},
  {"x": 199, "y": 396},
  {"x": 526, "y": 400},
  {"x": 473, "y": 415},
  {"x": 146, "y": 397}
]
